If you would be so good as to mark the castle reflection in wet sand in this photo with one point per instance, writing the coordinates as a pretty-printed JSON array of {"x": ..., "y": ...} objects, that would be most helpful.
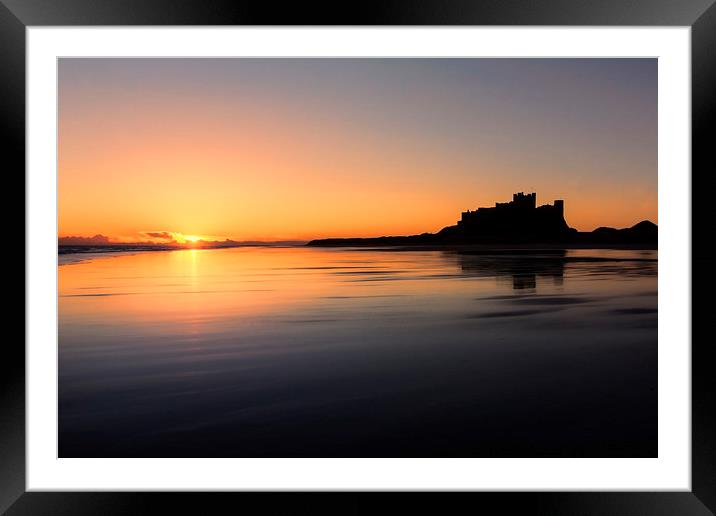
[{"x": 257, "y": 351}]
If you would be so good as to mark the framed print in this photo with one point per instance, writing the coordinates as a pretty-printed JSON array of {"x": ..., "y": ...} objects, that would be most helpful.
[{"x": 429, "y": 249}]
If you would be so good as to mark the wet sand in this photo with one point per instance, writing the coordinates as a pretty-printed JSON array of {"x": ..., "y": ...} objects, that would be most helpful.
[{"x": 359, "y": 352}]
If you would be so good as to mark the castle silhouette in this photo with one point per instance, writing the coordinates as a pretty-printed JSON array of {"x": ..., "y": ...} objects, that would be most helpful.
[
  {"x": 517, "y": 221},
  {"x": 520, "y": 217}
]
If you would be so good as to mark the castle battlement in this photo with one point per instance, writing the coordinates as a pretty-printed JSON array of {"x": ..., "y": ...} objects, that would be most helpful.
[{"x": 519, "y": 216}]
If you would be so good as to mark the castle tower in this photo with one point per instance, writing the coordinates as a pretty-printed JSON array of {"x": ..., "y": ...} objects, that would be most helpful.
[
  {"x": 559, "y": 206},
  {"x": 522, "y": 200}
]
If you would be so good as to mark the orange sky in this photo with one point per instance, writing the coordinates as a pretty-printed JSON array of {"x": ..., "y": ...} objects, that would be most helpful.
[{"x": 302, "y": 149}]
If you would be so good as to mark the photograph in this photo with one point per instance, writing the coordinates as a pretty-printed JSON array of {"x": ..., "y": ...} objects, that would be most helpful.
[{"x": 357, "y": 257}]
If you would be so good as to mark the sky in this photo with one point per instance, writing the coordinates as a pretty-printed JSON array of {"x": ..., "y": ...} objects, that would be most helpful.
[{"x": 273, "y": 149}]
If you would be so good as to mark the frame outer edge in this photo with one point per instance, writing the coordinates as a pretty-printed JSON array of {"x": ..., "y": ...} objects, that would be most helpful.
[
  {"x": 703, "y": 357},
  {"x": 365, "y": 12},
  {"x": 12, "y": 103},
  {"x": 311, "y": 503},
  {"x": 12, "y": 353}
]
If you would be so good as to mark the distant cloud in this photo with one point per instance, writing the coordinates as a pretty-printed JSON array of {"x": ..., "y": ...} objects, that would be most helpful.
[
  {"x": 78, "y": 240},
  {"x": 162, "y": 235}
]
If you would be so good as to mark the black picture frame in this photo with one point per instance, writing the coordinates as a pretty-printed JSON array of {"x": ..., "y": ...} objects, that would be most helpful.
[{"x": 700, "y": 15}]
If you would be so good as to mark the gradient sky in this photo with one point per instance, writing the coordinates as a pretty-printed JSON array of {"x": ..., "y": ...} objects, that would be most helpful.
[{"x": 309, "y": 148}]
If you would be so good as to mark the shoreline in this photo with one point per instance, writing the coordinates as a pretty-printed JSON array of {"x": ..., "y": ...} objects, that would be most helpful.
[
  {"x": 530, "y": 247},
  {"x": 98, "y": 251},
  {"x": 87, "y": 253}
]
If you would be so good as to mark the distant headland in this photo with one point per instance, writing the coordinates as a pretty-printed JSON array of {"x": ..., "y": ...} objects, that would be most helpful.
[{"x": 519, "y": 221}]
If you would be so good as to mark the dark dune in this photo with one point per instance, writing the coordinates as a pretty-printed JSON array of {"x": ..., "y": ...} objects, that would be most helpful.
[
  {"x": 551, "y": 300},
  {"x": 634, "y": 311},
  {"x": 511, "y": 313}
]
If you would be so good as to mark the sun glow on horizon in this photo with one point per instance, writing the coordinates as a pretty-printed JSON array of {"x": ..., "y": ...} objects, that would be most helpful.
[{"x": 192, "y": 239}]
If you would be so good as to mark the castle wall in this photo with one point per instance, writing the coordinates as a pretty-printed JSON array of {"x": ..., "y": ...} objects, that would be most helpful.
[{"x": 520, "y": 217}]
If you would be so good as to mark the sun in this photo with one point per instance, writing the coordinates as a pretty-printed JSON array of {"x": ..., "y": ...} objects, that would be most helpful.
[{"x": 191, "y": 239}]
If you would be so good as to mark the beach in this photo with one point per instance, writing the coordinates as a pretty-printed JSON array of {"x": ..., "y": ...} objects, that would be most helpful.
[{"x": 295, "y": 351}]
